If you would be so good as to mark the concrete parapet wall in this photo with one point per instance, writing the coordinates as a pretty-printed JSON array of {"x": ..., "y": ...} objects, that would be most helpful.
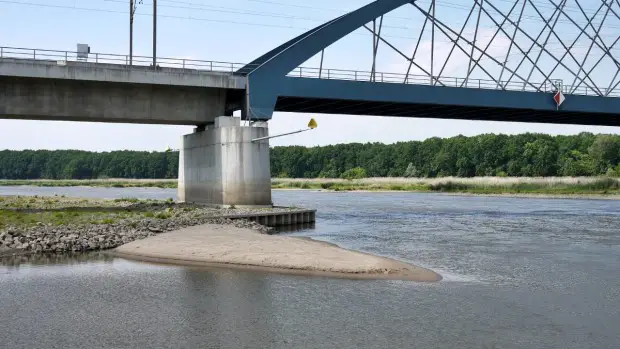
[{"x": 84, "y": 71}]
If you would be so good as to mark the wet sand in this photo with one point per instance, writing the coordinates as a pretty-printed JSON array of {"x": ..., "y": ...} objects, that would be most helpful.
[{"x": 229, "y": 246}]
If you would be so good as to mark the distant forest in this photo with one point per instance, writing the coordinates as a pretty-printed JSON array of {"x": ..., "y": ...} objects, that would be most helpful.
[{"x": 585, "y": 154}]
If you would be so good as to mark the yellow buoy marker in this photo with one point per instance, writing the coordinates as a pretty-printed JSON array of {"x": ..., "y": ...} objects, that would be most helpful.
[{"x": 312, "y": 124}]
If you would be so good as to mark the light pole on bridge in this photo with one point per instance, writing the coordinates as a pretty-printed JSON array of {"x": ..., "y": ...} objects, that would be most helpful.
[
  {"x": 133, "y": 6},
  {"x": 154, "y": 34}
]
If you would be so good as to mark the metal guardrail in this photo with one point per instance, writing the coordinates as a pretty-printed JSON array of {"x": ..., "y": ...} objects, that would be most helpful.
[
  {"x": 383, "y": 77},
  {"x": 304, "y": 72},
  {"x": 108, "y": 58}
]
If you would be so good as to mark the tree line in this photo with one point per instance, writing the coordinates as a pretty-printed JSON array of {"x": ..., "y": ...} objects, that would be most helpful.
[
  {"x": 527, "y": 154},
  {"x": 520, "y": 155},
  {"x": 74, "y": 164}
]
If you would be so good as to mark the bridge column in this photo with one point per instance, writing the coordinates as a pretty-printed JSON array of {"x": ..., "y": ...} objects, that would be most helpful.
[{"x": 221, "y": 166}]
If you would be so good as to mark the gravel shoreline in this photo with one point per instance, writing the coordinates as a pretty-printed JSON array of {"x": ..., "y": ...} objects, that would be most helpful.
[
  {"x": 118, "y": 222},
  {"x": 83, "y": 238}
]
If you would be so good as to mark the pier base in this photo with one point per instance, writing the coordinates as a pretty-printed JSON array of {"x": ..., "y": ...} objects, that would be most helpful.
[{"x": 221, "y": 166}]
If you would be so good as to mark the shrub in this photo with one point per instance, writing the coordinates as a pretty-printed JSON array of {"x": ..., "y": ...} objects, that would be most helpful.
[
  {"x": 412, "y": 171},
  {"x": 163, "y": 215},
  {"x": 448, "y": 186},
  {"x": 354, "y": 173},
  {"x": 605, "y": 184},
  {"x": 327, "y": 185},
  {"x": 614, "y": 173},
  {"x": 131, "y": 200}
]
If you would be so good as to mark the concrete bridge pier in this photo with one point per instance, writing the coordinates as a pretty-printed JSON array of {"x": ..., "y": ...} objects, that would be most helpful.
[{"x": 221, "y": 166}]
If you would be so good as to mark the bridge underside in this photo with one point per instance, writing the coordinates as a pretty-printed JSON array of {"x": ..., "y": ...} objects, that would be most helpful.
[
  {"x": 353, "y": 107},
  {"x": 95, "y": 101},
  {"x": 399, "y": 100}
]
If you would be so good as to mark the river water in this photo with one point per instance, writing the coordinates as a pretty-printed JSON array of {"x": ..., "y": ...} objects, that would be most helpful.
[{"x": 518, "y": 273}]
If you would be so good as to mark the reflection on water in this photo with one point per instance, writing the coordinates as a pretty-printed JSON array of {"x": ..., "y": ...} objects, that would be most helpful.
[
  {"x": 246, "y": 301},
  {"x": 519, "y": 273},
  {"x": 32, "y": 260}
]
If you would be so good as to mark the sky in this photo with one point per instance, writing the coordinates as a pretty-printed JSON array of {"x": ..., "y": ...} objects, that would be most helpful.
[{"x": 241, "y": 30}]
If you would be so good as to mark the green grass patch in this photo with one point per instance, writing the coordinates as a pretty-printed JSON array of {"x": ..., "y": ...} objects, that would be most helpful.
[
  {"x": 163, "y": 215},
  {"x": 348, "y": 186},
  {"x": 27, "y": 219},
  {"x": 130, "y": 200},
  {"x": 601, "y": 186},
  {"x": 58, "y": 218}
]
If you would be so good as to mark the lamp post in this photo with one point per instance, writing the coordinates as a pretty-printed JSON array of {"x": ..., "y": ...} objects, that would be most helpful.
[
  {"x": 154, "y": 34},
  {"x": 133, "y": 5}
]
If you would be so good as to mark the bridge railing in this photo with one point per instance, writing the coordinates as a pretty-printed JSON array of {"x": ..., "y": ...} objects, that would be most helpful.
[
  {"x": 303, "y": 72},
  {"x": 383, "y": 77},
  {"x": 108, "y": 58}
]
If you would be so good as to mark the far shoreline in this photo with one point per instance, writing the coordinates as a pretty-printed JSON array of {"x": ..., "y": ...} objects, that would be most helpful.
[
  {"x": 611, "y": 197},
  {"x": 579, "y": 188}
]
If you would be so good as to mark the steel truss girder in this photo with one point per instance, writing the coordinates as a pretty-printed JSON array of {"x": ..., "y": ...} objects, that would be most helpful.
[{"x": 265, "y": 75}]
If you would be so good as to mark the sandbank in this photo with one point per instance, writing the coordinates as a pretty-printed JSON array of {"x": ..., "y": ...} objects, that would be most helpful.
[{"x": 229, "y": 246}]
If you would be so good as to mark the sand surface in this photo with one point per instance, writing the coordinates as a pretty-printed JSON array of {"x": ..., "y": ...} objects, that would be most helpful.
[{"x": 222, "y": 245}]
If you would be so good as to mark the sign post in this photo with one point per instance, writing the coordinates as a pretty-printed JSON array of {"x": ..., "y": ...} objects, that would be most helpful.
[
  {"x": 311, "y": 126},
  {"x": 559, "y": 98}
]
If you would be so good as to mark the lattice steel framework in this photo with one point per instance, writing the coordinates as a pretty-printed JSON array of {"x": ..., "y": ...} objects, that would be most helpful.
[{"x": 516, "y": 45}]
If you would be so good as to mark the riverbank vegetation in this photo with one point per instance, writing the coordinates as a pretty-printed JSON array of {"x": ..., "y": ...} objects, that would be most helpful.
[
  {"x": 476, "y": 185},
  {"x": 28, "y": 211},
  {"x": 108, "y": 183},
  {"x": 524, "y": 155}
]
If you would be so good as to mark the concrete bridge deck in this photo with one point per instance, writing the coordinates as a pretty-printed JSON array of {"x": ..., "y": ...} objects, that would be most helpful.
[{"x": 56, "y": 85}]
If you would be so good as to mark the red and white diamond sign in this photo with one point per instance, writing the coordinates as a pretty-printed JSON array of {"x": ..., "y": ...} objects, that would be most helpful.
[{"x": 559, "y": 98}]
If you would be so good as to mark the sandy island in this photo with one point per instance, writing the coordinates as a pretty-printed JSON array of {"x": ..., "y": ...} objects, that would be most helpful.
[{"x": 229, "y": 246}]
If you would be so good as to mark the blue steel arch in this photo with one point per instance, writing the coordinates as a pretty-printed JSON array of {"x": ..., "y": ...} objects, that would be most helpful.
[
  {"x": 268, "y": 88},
  {"x": 266, "y": 75}
]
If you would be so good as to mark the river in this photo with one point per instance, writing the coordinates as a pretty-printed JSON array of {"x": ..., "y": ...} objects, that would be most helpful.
[{"x": 518, "y": 273}]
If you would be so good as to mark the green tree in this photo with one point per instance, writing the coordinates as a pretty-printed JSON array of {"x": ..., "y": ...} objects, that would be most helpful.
[
  {"x": 605, "y": 150},
  {"x": 576, "y": 163},
  {"x": 411, "y": 171},
  {"x": 541, "y": 158}
]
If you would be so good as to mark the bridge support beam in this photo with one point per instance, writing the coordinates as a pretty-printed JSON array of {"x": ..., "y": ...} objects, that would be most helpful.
[{"x": 222, "y": 167}]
